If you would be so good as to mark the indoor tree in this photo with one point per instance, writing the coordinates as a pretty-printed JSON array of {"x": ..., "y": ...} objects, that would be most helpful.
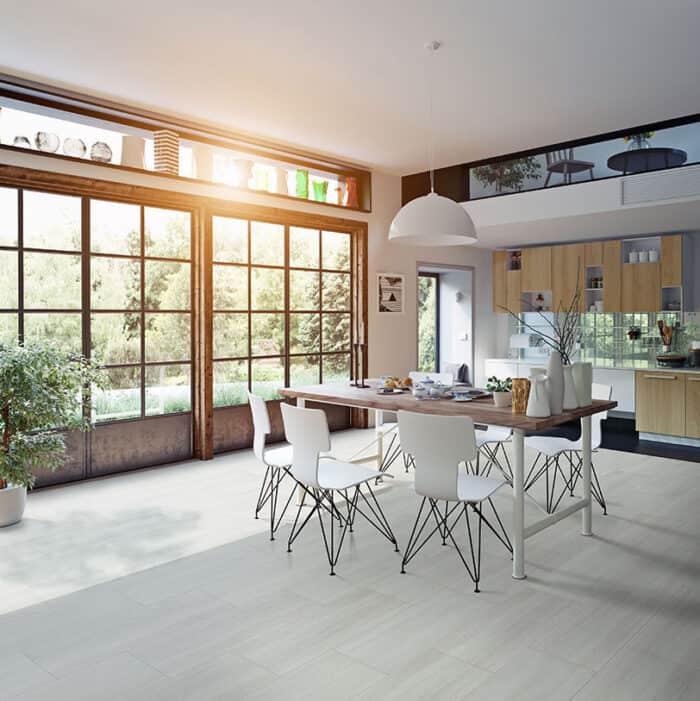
[
  {"x": 508, "y": 175},
  {"x": 41, "y": 396}
]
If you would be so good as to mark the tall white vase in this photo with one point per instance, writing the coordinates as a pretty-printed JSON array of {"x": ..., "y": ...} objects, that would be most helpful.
[
  {"x": 555, "y": 374},
  {"x": 583, "y": 382},
  {"x": 570, "y": 400},
  {"x": 538, "y": 401}
]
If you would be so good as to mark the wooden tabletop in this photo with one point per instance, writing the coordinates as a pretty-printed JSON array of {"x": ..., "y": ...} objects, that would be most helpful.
[{"x": 482, "y": 411}]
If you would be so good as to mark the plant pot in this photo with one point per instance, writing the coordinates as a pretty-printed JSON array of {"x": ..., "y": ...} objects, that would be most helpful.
[
  {"x": 12, "y": 502},
  {"x": 502, "y": 399}
]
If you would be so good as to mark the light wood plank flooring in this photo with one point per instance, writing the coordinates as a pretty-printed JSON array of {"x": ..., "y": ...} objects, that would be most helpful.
[{"x": 160, "y": 585}]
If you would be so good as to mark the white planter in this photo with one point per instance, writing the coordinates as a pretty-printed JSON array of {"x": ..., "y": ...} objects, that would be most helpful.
[
  {"x": 502, "y": 399},
  {"x": 12, "y": 502},
  {"x": 555, "y": 373}
]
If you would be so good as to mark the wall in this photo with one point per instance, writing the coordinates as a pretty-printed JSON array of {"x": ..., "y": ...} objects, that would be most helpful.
[
  {"x": 392, "y": 338},
  {"x": 455, "y": 317}
]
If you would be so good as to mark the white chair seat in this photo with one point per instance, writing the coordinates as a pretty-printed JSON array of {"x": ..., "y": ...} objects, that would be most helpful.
[
  {"x": 551, "y": 446},
  {"x": 279, "y": 456},
  {"x": 494, "y": 434},
  {"x": 473, "y": 488},
  {"x": 334, "y": 474}
]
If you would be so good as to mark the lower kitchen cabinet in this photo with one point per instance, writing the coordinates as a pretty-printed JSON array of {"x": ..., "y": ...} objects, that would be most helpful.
[
  {"x": 692, "y": 406},
  {"x": 660, "y": 402}
]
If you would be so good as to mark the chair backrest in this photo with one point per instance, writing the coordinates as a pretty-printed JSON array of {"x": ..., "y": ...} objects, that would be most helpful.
[
  {"x": 307, "y": 431},
  {"x": 603, "y": 392},
  {"x": 261, "y": 424},
  {"x": 553, "y": 157},
  {"x": 438, "y": 445},
  {"x": 444, "y": 378}
]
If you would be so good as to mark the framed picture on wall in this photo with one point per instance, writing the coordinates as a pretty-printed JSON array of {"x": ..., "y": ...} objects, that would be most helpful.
[{"x": 390, "y": 293}]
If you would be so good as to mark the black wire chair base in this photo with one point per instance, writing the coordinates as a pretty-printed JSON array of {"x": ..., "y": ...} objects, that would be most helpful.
[
  {"x": 553, "y": 471},
  {"x": 269, "y": 493},
  {"x": 323, "y": 503},
  {"x": 393, "y": 452},
  {"x": 445, "y": 523},
  {"x": 494, "y": 457}
]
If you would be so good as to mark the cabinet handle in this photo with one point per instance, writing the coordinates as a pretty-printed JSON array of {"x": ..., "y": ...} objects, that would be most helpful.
[
  {"x": 694, "y": 379},
  {"x": 660, "y": 377}
]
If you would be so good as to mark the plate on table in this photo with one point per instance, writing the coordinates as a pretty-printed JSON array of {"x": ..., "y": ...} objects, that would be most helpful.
[
  {"x": 389, "y": 391},
  {"x": 462, "y": 398}
]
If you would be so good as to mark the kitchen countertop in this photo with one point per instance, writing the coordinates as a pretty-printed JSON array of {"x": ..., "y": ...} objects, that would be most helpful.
[{"x": 639, "y": 366}]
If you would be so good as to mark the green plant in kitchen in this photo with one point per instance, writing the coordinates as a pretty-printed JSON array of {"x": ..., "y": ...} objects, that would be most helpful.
[
  {"x": 494, "y": 384},
  {"x": 508, "y": 175},
  {"x": 42, "y": 390}
]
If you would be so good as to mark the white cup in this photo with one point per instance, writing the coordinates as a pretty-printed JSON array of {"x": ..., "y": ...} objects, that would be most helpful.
[
  {"x": 653, "y": 256},
  {"x": 643, "y": 256},
  {"x": 634, "y": 257}
]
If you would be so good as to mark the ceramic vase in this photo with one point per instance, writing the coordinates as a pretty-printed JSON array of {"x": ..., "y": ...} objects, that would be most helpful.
[
  {"x": 536, "y": 372},
  {"x": 570, "y": 401},
  {"x": 538, "y": 403},
  {"x": 134, "y": 151},
  {"x": 583, "y": 382},
  {"x": 555, "y": 374},
  {"x": 203, "y": 162}
]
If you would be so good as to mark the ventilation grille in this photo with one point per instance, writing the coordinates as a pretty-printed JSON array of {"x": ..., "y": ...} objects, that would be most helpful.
[{"x": 664, "y": 185}]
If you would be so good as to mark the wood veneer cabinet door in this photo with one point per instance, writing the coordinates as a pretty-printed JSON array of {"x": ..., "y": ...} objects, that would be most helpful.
[
  {"x": 536, "y": 269},
  {"x": 641, "y": 288},
  {"x": 692, "y": 406},
  {"x": 567, "y": 267},
  {"x": 499, "y": 280},
  {"x": 660, "y": 402},
  {"x": 671, "y": 261},
  {"x": 612, "y": 275},
  {"x": 513, "y": 291},
  {"x": 593, "y": 253}
]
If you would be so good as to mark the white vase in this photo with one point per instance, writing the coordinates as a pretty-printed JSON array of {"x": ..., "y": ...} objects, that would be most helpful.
[
  {"x": 583, "y": 382},
  {"x": 570, "y": 401},
  {"x": 538, "y": 402},
  {"x": 202, "y": 162},
  {"x": 133, "y": 151},
  {"x": 555, "y": 374},
  {"x": 534, "y": 372}
]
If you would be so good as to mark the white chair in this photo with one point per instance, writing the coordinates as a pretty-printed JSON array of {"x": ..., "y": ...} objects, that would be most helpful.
[
  {"x": 555, "y": 448},
  {"x": 325, "y": 479},
  {"x": 439, "y": 444},
  {"x": 488, "y": 444},
  {"x": 444, "y": 378},
  {"x": 276, "y": 461}
]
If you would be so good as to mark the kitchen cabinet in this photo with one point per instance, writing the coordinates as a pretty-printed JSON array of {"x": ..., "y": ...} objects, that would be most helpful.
[
  {"x": 513, "y": 290},
  {"x": 671, "y": 260},
  {"x": 641, "y": 288},
  {"x": 612, "y": 273},
  {"x": 692, "y": 406},
  {"x": 536, "y": 269},
  {"x": 498, "y": 280},
  {"x": 567, "y": 269},
  {"x": 593, "y": 253},
  {"x": 660, "y": 402}
]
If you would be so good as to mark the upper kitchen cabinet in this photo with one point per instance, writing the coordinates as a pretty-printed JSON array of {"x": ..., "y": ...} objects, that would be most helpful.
[
  {"x": 671, "y": 260},
  {"x": 536, "y": 269},
  {"x": 498, "y": 280},
  {"x": 514, "y": 290},
  {"x": 612, "y": 273},
  {"x": 567, "y": 271},
  {"x": 641, "y": 289},
  {"x": 593, "y": 253}
]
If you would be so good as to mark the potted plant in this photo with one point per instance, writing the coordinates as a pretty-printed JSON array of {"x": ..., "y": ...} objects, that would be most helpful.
[
  {"x": 508, "y": 175},
  {"x": 501, "y": 390},
  {"x": 41, "y": 396}
]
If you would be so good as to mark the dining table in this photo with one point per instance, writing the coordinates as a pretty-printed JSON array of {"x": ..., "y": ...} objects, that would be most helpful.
[{"x": 481, "y": 411}]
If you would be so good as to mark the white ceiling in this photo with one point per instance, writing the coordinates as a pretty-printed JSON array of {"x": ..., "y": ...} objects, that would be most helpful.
[{"x": 346, "y": 77}]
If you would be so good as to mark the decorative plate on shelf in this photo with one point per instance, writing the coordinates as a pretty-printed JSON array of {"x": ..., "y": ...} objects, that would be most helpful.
[
  {"x": 47, "y": 142},
  {"x": 101, "y": 152},
  {"x": 75, "y": 148}
]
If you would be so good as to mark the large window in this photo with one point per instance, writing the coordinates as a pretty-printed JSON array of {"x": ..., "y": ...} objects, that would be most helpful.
[
  {"x": 428, "y": 322},
  {"x": 282, "y": 307},
  {"x": 106, "y": 279}
]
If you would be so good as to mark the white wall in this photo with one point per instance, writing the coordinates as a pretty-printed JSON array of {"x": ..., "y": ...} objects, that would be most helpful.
[
  {"x": 393, "y": 345},
  {"x": 455, "y": 317}
]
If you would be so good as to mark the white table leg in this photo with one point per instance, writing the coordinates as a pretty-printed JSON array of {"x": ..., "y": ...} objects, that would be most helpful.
[
  {"x": 301, "y": 403},
  {"x": 378, "y": 423},
  {"x": 518, "y": 534},
  {"x": 586, "y": 516}
]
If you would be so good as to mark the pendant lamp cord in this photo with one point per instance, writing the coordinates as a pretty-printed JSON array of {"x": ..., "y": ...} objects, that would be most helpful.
[{"x": 432, "y": 47}]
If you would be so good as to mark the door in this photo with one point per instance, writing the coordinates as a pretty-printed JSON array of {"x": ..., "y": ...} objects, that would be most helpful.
[{"x": 641, "y": 291}]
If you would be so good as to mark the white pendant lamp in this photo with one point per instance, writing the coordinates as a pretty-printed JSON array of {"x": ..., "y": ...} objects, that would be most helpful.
[{"x": 432, "y": 220}]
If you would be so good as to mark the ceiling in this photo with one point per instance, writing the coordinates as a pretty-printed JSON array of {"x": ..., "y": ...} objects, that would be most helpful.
[{"x": 347, "y": 78}]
